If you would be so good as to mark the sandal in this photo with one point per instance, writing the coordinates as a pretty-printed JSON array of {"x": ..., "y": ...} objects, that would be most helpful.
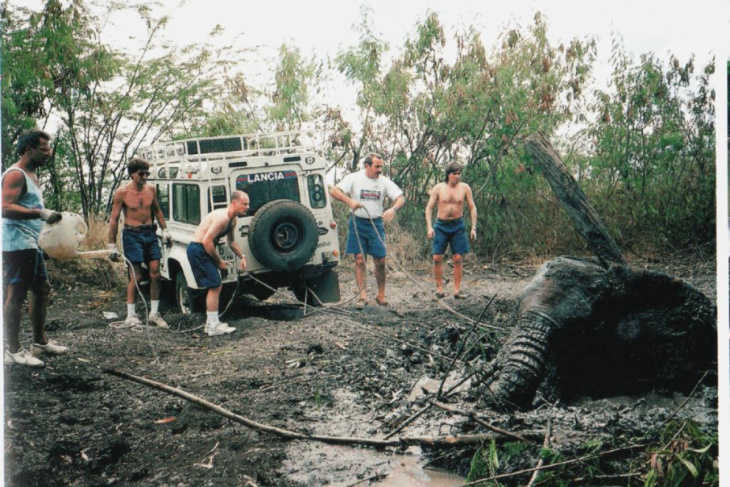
[
  {"x": 382, "y": 303},
  {"x": 361, "y": 303},
  {"x": 460, "y": 295},
  {"x": 440, "y": 295}
]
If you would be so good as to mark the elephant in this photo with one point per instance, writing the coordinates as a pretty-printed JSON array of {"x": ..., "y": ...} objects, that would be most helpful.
[{"x": 583, "y": 329}]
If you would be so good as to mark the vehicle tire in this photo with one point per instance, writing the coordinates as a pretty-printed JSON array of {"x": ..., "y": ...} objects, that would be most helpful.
[
  {"x": 188, "y": 300},
  {"x": 283, "y": 235}
]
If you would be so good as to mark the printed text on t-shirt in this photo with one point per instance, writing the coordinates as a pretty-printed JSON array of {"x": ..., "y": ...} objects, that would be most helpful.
[{"x": 370, "y": 194}]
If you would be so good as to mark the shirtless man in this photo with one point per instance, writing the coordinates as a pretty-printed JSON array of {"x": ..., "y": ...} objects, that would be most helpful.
[
  {"x": 205, "y": 261},
  {"x": 450, "y": 227},
  {"x": 138, "y": 201}
]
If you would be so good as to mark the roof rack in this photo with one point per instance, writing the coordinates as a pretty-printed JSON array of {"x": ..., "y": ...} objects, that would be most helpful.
[{"x": 225, "y": 147}]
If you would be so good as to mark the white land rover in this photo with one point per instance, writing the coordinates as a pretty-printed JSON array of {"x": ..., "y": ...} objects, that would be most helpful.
[{"x": 289, "y": 236}]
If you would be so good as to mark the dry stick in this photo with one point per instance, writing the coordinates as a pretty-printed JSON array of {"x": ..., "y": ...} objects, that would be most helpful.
[
  {"x": 545, "y": 444},
  {"x": 684, "y": 403},
  {"x": 472, "y": 416},
  {"x": 408, "y": 421},
  {"x": 463, "y": 345},
  {"x": 553, "y": 465},
  {"x": 433, "y": 441}
]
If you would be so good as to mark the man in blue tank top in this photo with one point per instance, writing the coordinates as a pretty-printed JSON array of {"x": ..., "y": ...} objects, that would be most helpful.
[{"x": 23, "y": 266}]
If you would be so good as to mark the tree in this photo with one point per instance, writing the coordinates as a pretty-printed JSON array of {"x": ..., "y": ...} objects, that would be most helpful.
[
  {"x": 106, "y": 102},
  {"x": 653, "y": 141}
]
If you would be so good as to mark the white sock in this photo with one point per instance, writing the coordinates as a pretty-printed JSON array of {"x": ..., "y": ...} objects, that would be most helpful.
[
  {"x": 212, "y": 317},
  {"x": 155, "y": 307},
  {"x": 130, "y": 310}
]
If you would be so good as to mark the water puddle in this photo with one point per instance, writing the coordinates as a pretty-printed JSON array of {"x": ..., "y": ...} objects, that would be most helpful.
[
  {"x": 408, "y": 473},
  {"x": 314, "y": 463}
]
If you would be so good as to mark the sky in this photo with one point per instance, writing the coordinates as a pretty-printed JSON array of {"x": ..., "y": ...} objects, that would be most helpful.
[{"x": 324, "y": 27}]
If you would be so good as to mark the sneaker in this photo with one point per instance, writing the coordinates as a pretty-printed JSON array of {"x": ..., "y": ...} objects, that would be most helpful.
[
  {"x": 49, "y": 348},
  {"x": 218, "y": 329},
  {"x": 22, "y": 357},
  {"x": 157, "y": 320},
  {"x": 132, "y": 321}
]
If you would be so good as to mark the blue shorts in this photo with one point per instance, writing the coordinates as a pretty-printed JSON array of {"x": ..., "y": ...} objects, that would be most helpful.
[
  {"x": 450, "y": 232},
  {"x": 141, "y": 245},
  {"x": 204, "y": 269},
  {"x": 24, "y": 267},
  {"x": 372, "y": 243}
]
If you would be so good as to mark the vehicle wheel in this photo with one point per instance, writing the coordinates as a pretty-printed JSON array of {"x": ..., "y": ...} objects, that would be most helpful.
[
  {"x": 188, "y": 300},
  {"x": 283, "y": 235}
]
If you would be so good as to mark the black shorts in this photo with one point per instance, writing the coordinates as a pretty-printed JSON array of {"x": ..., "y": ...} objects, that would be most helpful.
[{"x": 25, "y": 266}]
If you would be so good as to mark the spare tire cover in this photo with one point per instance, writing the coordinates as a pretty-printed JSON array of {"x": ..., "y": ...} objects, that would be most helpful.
[{"x": 283, "y": 235}]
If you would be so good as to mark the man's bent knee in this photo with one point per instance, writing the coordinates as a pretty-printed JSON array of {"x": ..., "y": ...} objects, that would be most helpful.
[
  {"x": 438, "y": 258},
  {"x": 458, "y": 258},
  {"x": 360, "y": 260}
]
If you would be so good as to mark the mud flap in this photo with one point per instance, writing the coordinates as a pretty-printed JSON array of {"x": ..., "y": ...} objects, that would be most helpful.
[{"x": 326, "y": 287}]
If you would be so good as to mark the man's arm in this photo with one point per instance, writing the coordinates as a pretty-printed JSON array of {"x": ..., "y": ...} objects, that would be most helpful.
[
  {"x": 389, "y": 214},
  {"x": 208, "y": 240},
  {"x": 339, "y": 195},
  {"x": 160, "y": 217},
  {"x": 157, "y": 210},
  {"x": 117, "y": 204},
  {"x": 432, "y": 200},
  {"x": 472, "y": 212},
  {"x": 13, "y": 185},
  {"x": 231, "y": 240}
]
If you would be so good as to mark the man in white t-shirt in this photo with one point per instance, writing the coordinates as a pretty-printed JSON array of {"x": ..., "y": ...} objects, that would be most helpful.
[{"x": 364, "y": 192}]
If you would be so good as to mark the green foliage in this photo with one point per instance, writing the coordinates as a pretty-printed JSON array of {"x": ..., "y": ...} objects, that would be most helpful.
[
  {"x": 652, "y": 173},
  {"x": 423, "y": 112},
  {"x": 484, "y": 463},
  {"x": 106, "y": 102},
  {"x": 685, "y": 457}
]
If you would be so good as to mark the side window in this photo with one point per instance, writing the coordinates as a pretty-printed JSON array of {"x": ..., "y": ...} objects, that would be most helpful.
[
  {"x": 317, "y": 197},
  {"x": 163, "y": 195},
  {"x": 217, "y": 198},
  {"x": 186, "y": 203}
]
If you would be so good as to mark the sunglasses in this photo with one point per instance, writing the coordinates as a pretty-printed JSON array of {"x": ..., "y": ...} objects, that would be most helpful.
[{"x": 143, "y": 173}]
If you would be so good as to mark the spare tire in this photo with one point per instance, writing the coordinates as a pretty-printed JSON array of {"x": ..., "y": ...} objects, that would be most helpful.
[{"x": 283, "y": 235}]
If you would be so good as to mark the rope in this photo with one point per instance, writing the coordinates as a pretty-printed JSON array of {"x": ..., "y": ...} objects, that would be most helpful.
[{"x": 117, "y": 325}]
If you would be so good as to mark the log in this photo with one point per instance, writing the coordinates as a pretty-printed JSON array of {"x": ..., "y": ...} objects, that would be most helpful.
[{"x": 574, "y": 200}]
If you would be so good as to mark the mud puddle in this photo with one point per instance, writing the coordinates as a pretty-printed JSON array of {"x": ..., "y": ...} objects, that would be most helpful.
[{"x": 313, "y": 463}]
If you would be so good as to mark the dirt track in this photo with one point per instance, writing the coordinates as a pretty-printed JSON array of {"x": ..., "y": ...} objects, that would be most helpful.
[{"x": 339, "y": 373}]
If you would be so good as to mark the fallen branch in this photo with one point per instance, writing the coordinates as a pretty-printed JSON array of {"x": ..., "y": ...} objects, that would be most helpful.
[
  {"x": 432, "y": 441},
  {"x": 545, "y": 444},
  {"x": 472, "y": 416},
  {"x": 408, "y": 421}
]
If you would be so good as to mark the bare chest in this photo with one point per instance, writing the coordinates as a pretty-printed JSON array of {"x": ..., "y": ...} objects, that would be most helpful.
[
  {"x": 451, "y": 196},
  {"x": 137, "y": 201}
]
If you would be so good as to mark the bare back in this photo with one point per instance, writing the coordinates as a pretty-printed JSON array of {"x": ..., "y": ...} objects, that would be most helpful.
[
  {"x": 450, "y": 200},
  {"x": 214, "y": 226}
]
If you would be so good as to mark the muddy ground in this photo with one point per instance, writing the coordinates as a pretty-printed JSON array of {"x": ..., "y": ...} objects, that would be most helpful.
[{"x": 338, "y": 372}]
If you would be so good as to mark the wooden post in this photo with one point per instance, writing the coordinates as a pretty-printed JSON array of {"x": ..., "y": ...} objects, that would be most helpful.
[{"x": 575, "y": 202}]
